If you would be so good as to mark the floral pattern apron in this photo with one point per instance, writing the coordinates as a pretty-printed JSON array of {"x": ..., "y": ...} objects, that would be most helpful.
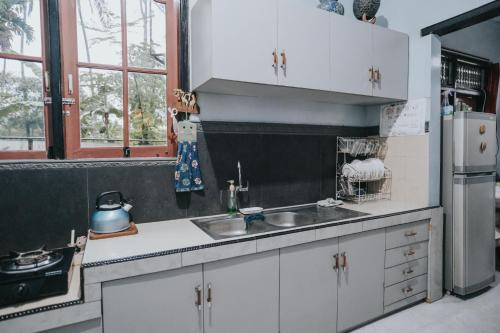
[{"x": 187, "y": 170}]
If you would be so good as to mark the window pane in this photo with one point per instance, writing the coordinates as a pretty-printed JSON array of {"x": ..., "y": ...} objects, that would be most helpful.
[
  {"x": 147, "y": 109},
  {"x": 21, "y": 106},
  {"x": 146, "y": 34},
  {"x": 99, "y": 31},
  {"x": 101, "y": 108},
  {"x": 20, "y": 30}
]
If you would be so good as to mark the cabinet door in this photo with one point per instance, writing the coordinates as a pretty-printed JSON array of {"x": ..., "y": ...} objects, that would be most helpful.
[
  {"x": 244, "y": 39},
  {"x": 308, "y": 288},
  {"x": 351, "y": 56},
  {"x": 390, "y": 58},
  {"x": 361, "y": 285},
  {"x": 159, "y": 302},
  {"x": 243, "y": 294},
  {"x": 303, "y": 44}
]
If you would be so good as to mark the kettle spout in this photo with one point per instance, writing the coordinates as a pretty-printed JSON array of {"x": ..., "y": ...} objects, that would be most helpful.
[{"x": 127, "y": 207}]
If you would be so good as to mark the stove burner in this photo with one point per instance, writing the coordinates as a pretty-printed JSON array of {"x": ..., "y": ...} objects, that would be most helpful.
[{"x": 26, "y": 262}]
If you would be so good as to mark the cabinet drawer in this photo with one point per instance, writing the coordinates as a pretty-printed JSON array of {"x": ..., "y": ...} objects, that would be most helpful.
[
  {"x": 405, "y": 302},
  {"x": 405, "y": 271},
  {"x": 405, "y": 254},
  {"x": 405, "y": 289},
  {"x": 407, "y": 234}
]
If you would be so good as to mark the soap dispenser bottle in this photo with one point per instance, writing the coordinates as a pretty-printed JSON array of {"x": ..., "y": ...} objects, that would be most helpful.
[{"x": 231, "y": 198}]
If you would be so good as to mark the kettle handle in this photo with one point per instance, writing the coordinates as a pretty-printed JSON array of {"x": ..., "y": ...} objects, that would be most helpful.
[{"x": 105, "y": 194}]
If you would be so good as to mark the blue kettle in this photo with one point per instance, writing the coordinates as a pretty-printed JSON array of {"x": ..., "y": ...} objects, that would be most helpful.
[{"x": 110, "y": 216}]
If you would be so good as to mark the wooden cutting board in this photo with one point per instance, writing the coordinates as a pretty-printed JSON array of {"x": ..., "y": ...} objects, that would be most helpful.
[{"x": 132, "y": 230}]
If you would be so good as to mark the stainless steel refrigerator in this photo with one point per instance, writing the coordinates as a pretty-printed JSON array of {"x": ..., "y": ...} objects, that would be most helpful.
[{"x": 468, "y": 195}]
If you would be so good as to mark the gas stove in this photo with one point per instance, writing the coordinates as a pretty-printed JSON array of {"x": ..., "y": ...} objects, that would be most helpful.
[{"x": 26, "y": 276}]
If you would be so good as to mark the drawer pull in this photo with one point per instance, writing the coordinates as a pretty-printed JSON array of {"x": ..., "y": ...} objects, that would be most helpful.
[
  {"x": 275, "y": 59},
  {"x": 344, "y": 261},
  {"x": 198, "y": 297},
  {"x": 410, "y": 233},
  {"x": 336, "y": 266},
  {"x": 409, "y": 253},
  {"x": 209, "y": 297},
  {"x": 407, "y": 290},
  {"x": 408, "y": 271}
]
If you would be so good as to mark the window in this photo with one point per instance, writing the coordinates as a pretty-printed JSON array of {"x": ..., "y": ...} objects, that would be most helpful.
[
  {"x": 23, "y": 115},
  {"x": 119, "y": 68}
]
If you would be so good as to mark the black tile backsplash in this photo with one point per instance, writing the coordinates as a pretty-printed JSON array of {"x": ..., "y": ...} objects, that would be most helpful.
[{"x": 285, "y": 165}]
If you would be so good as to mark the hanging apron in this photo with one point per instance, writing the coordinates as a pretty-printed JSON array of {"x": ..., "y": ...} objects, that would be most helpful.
[{"x": 187, "y": 170}]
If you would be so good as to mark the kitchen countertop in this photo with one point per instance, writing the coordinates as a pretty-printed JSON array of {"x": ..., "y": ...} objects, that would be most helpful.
[
  {"x": 165, "y": 236},
  {"x": 156, "y": 241}
]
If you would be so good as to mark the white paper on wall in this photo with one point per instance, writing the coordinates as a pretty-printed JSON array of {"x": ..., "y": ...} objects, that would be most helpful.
[{"x": 400, "y": 119}]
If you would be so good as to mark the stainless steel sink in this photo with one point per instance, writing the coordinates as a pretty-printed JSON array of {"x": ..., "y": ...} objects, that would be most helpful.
[
  {"x": 275, "y": 220},
  {"x": 229, "y": 227},
  {"x": 288, "y": 219},
  {"x": 226, "y": 227}
]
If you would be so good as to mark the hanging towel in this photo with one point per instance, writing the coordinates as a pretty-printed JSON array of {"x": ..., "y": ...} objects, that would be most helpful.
[{"x": 187, "y": 170}]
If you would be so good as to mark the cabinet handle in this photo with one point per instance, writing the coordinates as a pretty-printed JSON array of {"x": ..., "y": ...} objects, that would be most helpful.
[
  {"x": 376, "y": 75},
  {"x": 198, "y": 297},
  {"x": 410, "y": 233},
  {"x": 209, "y": 297},
  {"x": 344, "y": 261},
  {"x": 336, "y": 266},
  {"x": 275, "y": 59},
  {"x": 370, "y": 74},
  {"x": 283, "y": 60},
  {"x": 408, "y": 271},
  {"x": 407, "y": 290},
  {"x": 483, "y": 146},
  {"x": 409, "y": 253}
]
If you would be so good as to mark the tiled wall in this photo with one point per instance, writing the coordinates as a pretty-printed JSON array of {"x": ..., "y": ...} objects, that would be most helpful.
[
  {"x": 407, "y": 158},
  {"x": 285, "y": 164}
]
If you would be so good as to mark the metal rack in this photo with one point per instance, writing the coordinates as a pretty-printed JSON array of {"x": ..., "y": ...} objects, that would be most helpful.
[{"x": 355, "y": 187}]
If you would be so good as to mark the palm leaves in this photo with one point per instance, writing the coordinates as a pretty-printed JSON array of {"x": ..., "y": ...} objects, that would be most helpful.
[{"x": 12, "y": 22}]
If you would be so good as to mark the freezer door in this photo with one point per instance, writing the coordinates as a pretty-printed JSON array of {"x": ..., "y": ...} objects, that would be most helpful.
[
  {"x": 474, "y": 232},
  {"x": 475, "y": 144}
]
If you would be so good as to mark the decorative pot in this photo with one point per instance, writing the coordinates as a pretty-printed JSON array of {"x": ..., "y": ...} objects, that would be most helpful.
[
  {"x": 332, "y": 6},
  {"x": 365, "y": 7}
]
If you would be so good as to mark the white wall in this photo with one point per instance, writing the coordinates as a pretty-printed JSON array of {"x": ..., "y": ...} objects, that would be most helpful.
[{"x": 482, "y": 40}]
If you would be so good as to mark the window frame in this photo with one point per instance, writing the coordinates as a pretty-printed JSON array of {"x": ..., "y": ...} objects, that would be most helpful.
[
  {"x": 70, "y": 66},
  {"x": 34, "y": 154}
]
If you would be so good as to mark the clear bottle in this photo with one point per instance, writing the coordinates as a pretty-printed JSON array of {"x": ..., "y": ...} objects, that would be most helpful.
[{"x": 231, "y": 199}]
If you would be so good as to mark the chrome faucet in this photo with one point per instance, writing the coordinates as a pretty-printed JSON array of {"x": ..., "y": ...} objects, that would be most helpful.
[{"x": 239, "y": 187}]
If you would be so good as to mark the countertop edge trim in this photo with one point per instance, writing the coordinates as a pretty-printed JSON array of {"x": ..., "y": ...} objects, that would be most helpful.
[{"x": 40, "y": 309}]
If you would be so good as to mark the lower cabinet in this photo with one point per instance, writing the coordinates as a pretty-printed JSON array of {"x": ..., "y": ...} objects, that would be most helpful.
[
  {"x": 361, "y": 278},
  {"x": 325, "y": 286},
  {"x": 308, "y": 287},
  {"x": 332, "y": 285},
  {"x": 159, "y": 302},
  {"x": 242, "y": 294}
]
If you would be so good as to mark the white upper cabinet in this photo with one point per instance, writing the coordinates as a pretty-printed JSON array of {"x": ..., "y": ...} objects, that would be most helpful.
[
  {"x": 272, "y": 47},
  {"x": 304, "y": 52},
  {"x": 234, "y": 40},
  {"x": 390, "y": 63},
  {"x": 351, "y": 56}
]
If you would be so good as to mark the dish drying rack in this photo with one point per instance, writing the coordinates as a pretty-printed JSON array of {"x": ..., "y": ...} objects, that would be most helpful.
[{"x": 355, "y": 187}]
